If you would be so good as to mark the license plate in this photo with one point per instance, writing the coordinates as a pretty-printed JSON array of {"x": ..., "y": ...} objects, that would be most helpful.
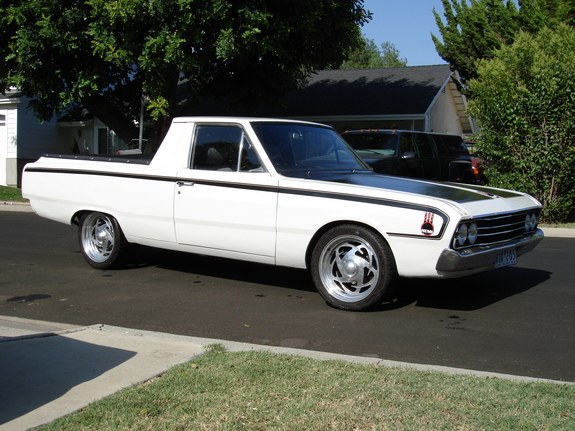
[{"x": 506, "y": 258}]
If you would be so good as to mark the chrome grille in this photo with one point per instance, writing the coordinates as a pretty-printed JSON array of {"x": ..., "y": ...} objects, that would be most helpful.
[{"x": 498, "y": 228}]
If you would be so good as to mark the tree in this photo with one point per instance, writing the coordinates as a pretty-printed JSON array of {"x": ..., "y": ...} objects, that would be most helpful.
[
  {"x": 474, "y": 30},
  {"x": 524, "y": 100},
  {"x": 367, "y": 55},
  {"x": 390, "y": 56},
  {"x": 105, "y": 55}
]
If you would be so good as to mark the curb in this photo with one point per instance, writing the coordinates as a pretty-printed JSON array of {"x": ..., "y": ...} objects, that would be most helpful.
[
  {"x": 235, "y": 346},
  {"x": 558, "y": 232},
  {"x": 15, "y": 206},
  {"x": 49, "y": 329}
]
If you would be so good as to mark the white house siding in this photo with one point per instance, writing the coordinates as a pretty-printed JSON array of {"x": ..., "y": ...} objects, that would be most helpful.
[
  {"x": 3, "y": 147},
  {"x": 23, "y": 138},
  {"x": 443, "y": 115},
  {"x": 8, "y": 149}
]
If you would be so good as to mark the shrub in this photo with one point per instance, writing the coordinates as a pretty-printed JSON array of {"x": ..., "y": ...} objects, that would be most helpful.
[{"x": 524, "y": 101}]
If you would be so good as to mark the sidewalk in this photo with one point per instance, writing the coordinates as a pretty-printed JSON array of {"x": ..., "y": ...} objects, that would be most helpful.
[{"x": 49, "y": 370}]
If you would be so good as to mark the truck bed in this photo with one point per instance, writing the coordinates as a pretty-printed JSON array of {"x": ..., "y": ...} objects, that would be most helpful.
[{"x": 140, "y": 159}]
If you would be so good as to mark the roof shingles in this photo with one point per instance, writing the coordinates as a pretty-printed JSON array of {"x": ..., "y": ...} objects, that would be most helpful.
[{"x": 390, "y": 91}]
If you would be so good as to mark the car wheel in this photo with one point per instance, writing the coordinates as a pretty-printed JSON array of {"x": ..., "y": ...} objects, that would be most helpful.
[
  {"x": 353, "y": 268},
  {"x": 101, "y": 240}
]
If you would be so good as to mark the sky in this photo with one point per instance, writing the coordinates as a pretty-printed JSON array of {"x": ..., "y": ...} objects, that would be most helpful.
[{"x": 407, "y": 24}]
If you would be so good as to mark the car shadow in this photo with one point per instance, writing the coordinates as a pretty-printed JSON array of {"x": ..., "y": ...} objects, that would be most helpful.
[
  {"x": 36, "y": 370},
  {"x": 229, "y": 269},
  {"x": 467, "y": 293}
]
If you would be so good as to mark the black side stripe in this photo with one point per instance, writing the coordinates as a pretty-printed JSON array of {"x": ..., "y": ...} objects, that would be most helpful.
[
  {"x": 273, "y": 189},
  {"x": 102, "y": 174},
  {"x": 377, "y": 201}
]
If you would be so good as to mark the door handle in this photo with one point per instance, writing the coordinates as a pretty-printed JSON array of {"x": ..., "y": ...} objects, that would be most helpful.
[{"x": 184, "y": 183}]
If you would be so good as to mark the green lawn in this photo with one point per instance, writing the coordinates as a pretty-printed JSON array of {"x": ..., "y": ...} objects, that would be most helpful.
[
  {"x": 265, "y": 391},
  {"x": 11, "y": 194}
]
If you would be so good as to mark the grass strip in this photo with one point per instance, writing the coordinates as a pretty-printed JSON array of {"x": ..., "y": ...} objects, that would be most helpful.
[
  {"x": 265, "y": 391},
  {"x": 11, "y": 194}
]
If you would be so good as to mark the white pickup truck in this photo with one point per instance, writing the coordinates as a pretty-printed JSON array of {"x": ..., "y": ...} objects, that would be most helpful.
[{"x": 286, "y": 193}]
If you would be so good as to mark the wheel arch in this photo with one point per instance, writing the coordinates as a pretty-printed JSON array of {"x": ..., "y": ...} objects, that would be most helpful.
[{"x": 75, "y": 219}]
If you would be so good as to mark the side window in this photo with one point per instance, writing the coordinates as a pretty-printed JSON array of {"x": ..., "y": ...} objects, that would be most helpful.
[
  {"x": 456, "y": 145},
  {"x": 373, "y": 143},
  {"x": 407, "y": 148},
  {"x": 424, "y": 145},
  {"x": 223, "y": 148},
  {"x": 440, "y": 144},
  {"x": 249, "y": 161}
]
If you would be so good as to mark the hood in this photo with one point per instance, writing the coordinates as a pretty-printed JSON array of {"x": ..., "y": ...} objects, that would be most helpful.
[{"x": 456, "y": 192}]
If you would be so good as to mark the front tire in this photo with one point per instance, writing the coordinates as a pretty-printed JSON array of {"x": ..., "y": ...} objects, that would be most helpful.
[
  {"x": 353, "y": 268},
  {"x": 101, "y": 240}
]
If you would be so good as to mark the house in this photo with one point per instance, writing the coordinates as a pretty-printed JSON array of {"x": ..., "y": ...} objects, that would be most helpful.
[
  {"x": 424, "y": 98},
  {"x": 23, "y": 138}
]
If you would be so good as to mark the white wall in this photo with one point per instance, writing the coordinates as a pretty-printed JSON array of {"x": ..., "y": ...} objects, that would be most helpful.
[
  {"x": 3, "y": 147},
  {"x": 443, "y": 115},
  {"x": 8, "y": 149},
  {"x": 24, "y": 138}
]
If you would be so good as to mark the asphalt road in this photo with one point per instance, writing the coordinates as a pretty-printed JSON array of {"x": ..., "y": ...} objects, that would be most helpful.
[{"x": 518, "y": 320}]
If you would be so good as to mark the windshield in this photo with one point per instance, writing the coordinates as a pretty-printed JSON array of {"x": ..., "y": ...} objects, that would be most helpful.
[{"x": 301, "y": 150}]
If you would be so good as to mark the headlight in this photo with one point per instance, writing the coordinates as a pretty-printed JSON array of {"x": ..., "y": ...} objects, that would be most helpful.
[
  {"x": 530, "y": 223},
  {"x": 472, "y": 233},
  {"x": 466, "y": 234},
  {"x": 461, "y": 235}
]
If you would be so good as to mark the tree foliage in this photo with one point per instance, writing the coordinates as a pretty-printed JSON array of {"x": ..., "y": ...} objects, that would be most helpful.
[
  {"x": 367, "y": 55},
  {"x": 524, "y": 99},
  {"x": 105, "y": 55},
  {"x": 475, "y": 29}
]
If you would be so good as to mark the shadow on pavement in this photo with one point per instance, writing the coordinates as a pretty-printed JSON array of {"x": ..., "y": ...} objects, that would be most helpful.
[
  {"x": 229, "y": 269},
  {"x": 467, "y": 293},
  {"x": 35, "y": 371}
]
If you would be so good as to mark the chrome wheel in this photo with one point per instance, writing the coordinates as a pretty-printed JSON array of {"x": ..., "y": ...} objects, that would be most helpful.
[
  {"x": 100, "y": 239},
  {"x": 352, "y": 267},
  {"x": 349, "y": 268}
]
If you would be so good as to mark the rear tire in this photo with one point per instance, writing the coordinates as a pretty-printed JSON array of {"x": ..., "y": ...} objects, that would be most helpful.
[
  {"x": 353, "y": 268},
  {"x": 101, "y": 240}
]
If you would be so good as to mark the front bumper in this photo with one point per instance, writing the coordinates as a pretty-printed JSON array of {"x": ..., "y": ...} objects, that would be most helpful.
[{"x": 457, "y": 263}]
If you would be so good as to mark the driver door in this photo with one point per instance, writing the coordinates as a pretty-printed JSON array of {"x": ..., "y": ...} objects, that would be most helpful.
[{"x": 225, "y": 200}]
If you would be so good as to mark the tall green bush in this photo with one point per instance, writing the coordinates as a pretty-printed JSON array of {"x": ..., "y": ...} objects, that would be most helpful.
[{"x": 524, "y": 101}]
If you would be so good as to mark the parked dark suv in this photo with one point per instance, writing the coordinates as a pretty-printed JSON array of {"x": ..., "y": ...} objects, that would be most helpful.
[{"x": 405, "y": 153}]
